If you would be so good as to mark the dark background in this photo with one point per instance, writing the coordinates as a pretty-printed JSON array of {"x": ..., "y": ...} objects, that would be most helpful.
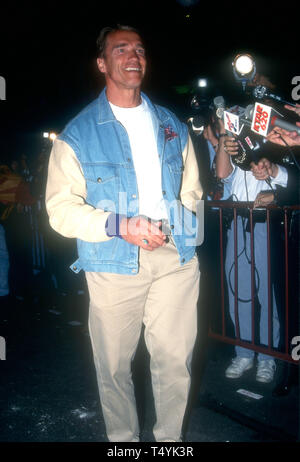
[{"x": 48, "y": 56}]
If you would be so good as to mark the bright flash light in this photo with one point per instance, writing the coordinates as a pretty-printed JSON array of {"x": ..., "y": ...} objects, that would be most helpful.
[
  {"x": 244, "y": 69},
  {"x": 45, "y": 135},
  {"x": 202, "y": 83},
  {"x": 52, "y": 136},
  {"x": 243, "y": 64}
]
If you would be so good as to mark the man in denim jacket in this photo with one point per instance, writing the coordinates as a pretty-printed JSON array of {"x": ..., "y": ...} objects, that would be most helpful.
[{"x": 123, "y": 180}]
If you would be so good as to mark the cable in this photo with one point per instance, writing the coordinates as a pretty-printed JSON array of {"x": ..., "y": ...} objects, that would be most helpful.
[
  {"x": 290, "y": 151},
  {"x": 244, "y": 226},
  {"x": 270, "y": 184},
  {"x": 246, "y": 186},
  {"x": 257, "y": 282}
]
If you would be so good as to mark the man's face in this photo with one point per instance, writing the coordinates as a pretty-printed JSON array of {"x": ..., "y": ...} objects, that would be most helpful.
[{"x": 124, "y": 61}]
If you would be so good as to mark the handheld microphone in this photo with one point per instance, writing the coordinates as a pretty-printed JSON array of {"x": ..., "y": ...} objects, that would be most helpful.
[
  {"x": 249, "y": 112},
  {"x": 261, "y": 92},
  {"x": 275, "y": 121},
  {"x": 264, "y": 118},
  {"x": 219, "y": 104}
]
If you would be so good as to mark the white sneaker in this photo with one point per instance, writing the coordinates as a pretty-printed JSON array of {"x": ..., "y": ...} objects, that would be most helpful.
[
  {"x": 265, "y": 370},
  {"x": 238, "y": 366}
]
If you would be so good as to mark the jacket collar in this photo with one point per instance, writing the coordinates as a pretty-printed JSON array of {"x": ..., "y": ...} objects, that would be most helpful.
[{"x": 105, "y": 113}]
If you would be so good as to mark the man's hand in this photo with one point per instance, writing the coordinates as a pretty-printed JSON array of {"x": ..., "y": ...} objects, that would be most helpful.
[
  {"x": 289, "y": 138},
  {"x": 231, "y": 146},
  {"x": 139, "y": 231},
  {"x": 293, "y": 108},
  {"x": 264, "y": 169},
  {"x": 263, "y": 199}
]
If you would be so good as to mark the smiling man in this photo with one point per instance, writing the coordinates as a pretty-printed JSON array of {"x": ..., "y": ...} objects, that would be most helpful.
[
  {"x": 123, "y": 180},
  {"x": 123, "y": 61}
]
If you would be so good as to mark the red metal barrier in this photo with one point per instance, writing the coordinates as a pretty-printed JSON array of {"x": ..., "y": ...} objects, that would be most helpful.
[{"x": 286, "y": 211}]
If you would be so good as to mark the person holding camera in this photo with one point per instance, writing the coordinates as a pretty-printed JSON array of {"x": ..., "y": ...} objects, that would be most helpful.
[{"x": 249, "y": 186}]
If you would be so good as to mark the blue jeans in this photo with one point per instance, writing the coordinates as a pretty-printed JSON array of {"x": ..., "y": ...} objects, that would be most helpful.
[
  {"x": 4, "y": 264},
  {"x": 244, "y": 285}
]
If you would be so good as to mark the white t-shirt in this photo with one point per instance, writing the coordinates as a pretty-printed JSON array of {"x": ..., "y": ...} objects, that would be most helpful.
[
  {"x": 245, "y": 187},
  {"x": 138, "y": 123}
]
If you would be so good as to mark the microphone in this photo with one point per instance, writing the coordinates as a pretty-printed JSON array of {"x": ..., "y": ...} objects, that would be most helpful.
[
  {"x": 219, "y": 104},
  {"x": 275, "y": 121},
  {"x": 249, "y": 111},
  {"x": 261, "y": 92},
  {"x": 265, "y": 117},
  {"x": 244, "y": 159}
]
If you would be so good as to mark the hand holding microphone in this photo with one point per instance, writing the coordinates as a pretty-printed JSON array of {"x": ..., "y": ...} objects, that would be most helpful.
[
  {"x": 284, "y": 137},
  {"x": 227, "y": 142},
  {"x": 231, "y": 146},
  {"x": 264, "y": 169},
  {"x": 265, "y": 122}
]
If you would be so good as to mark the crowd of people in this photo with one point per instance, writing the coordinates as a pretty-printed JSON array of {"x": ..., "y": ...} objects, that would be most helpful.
[
  {"x": 263, "y": 182},
  {"x": 134, "y": 253},
  {"x": 33, "y": 256}
]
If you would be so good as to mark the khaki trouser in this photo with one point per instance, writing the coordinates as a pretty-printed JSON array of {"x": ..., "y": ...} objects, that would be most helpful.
[{"x": 162, "y": 296}]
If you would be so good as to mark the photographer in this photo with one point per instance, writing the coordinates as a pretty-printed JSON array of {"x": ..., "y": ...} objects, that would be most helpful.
[
  {"x": 204, "y": 132},
  {"x": 249, "y": 186}
]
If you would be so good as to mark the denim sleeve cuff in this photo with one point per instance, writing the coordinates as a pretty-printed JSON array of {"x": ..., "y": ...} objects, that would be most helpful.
[{"x": 112, "y": 225}]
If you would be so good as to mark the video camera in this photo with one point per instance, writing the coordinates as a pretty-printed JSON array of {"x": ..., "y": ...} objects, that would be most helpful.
[{"x": 202, "y": 114}]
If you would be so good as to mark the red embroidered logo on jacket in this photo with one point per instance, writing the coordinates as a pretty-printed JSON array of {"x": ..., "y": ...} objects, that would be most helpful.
[{"x": 169, "y": 133}]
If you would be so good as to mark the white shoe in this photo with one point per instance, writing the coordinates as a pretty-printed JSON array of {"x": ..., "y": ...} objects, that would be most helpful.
[
  {"x": 265, "y": 370},
  {"x": 238, "y": 366}
]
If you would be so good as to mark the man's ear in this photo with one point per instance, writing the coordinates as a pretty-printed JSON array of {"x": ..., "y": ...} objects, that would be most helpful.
[{"x": 101, "y": 65}]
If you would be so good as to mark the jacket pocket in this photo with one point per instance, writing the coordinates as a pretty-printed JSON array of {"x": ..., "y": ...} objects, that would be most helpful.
[{"x": 103, "y": 182}]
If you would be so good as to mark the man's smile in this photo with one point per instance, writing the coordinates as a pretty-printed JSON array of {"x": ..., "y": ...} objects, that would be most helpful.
[{"x": 133, "y": 69}]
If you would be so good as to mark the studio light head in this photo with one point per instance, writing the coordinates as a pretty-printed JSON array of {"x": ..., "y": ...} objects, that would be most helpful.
[{"x": 244, "y": 68}]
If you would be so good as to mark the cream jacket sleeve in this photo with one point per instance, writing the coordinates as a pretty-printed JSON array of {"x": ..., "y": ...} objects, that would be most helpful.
[
  {"x": 191, "y": 189},
  {"x": 69, "y": 214}
]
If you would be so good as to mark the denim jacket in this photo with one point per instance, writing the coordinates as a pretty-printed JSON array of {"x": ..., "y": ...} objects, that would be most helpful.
[{"x": 102, "y": 147}]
